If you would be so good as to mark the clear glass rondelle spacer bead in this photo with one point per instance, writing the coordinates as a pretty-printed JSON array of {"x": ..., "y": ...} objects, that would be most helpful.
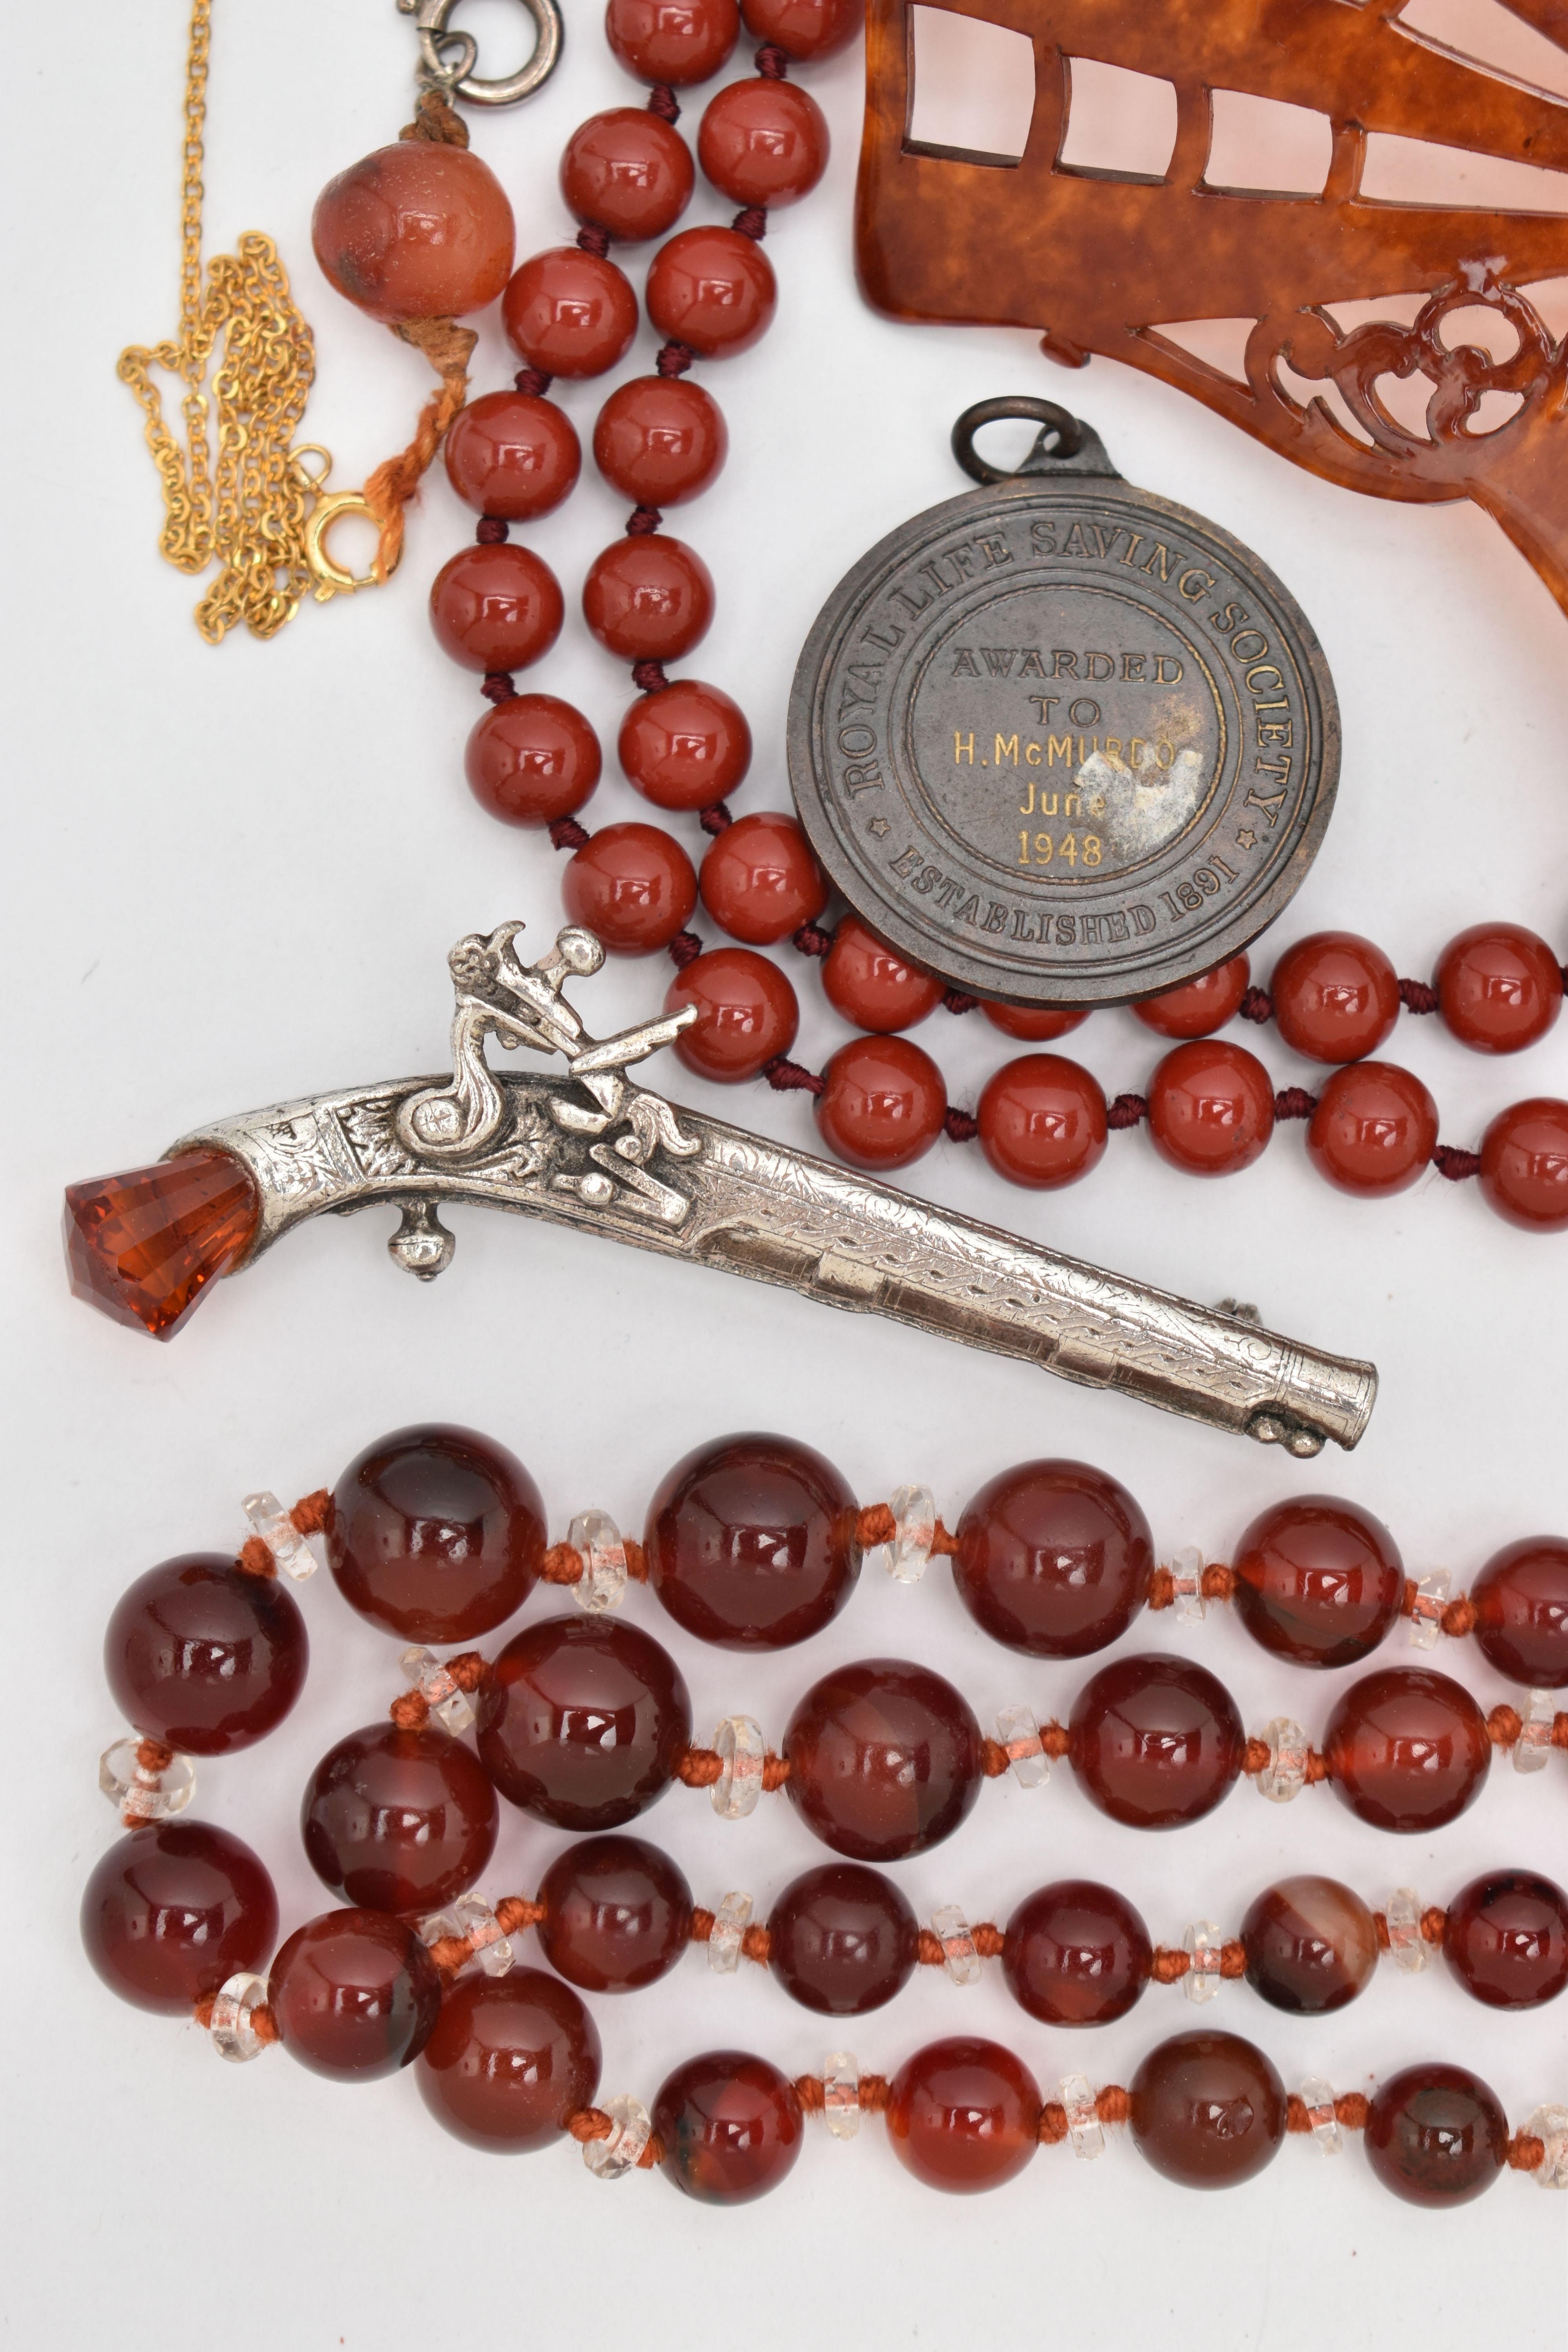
[
  {"x": 1285, "y": 1774},
  {"x": 740, "y": 1749},
  {"x": 730, "y": 1923},
  {"x": 1408, "y": 1944},
  {"x": 959, "y": 1956},
  {"x": 232, "y": 2024},
  {"x": 1550, "y": 2127},
  {"x": 1018, "y": 1732},
  {"x": 1085, "y": 2129},
  {"x": 841, "y": 2094},
  {"x": 630, "y": 2127},
  {"x": 1432, "y": 1591},
  {"x": 472, "y": 1919},
  {"x": 603, "y": 1584},
  {"x": 271, "y": 1522},
  {"x": 908, "y": 1557},
  {"x": 1318, "y": 2098},
  {"x": 141, "y": 1793},
  {"x": 1202, "y": 1943},
  {"x": 446, "y": 1699},
  {"x": 1536, "y": 1720},
  {"x": 1187, "y": 1585}
]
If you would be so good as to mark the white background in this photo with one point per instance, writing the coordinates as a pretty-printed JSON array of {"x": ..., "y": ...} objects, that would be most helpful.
[{"x": 234, "y": 876}]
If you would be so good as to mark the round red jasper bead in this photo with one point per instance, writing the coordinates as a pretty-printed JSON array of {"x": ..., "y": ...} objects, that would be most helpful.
[
  {"x": 354, "y": 1994},
  {"x": 1335, "y": 996},
  {"x": 713, "y": 290},
  {"x": 627, "y": 172},
  {"x": 1317, "y": 1580},
  {"x": 842, "y": 1939},
  {"x": 1506, "y": 1939},
  {"x": 1499, "y": 988},
  {"x": 660, "y": 440},
  {"x": 569, "y": 313},
  {"x": 496, "y": 607},
  {"x": 399, "y": 1820},
  {"x": 1042, "y": 1121},
  {"x": 1310, "y": 1945},
  {"x": 510, "y": 2060},
  {"x": 582, "y": 1723},
  {"x": 884, "y": 1759},
  {"x": 751, "y": 1542},
  {"x": 1524, "y": 1165},
  {"x": 1406, "y": 1749},
  {"x": 617, "y": 1914},
  {"x": 203, "y": 1655},
  {"x": 1211, "y": 1108},
  {"x": 1199, "y": 1007},
  {"x": 763, "y": 142},
  {"x": 414, "y": 231},
  {"x": 730, "y": 2126},
  {"x": 1208, "y": 2110},
  {"x": 1054, "y": 1558},
  {"x": 512, "y": 457},
  {"x": 532, "y": 758},
  {"x": 883, "y": 1103},
  {"x": 677, "y": 41},
  {"x": 871, "y": 985},
  {"x": 649, "y": 599},
  {"x": 685, "y": 746},
  {"x": 1031, "y": 1024},
  {"x": 435, "y": 1534},
  {"x": 805, "y": 30},
  {"x": 963, "y": 2115},
  {"x": 173, "y": 1910},
  {"x": 633, "y": 886},
  {"x": 747, "y": 1014},
  {"x": 1155, "y": 1742},
  {"x": 1436, "y": 2134},
  {"x": 1520, "y": 1600},
  {"x": 1075, "y": 1954},
  {"x": 1374, "y": 1129},
  {"x": 760, "y": 881}
]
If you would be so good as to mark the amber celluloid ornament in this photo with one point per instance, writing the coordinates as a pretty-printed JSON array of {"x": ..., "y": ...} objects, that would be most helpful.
[
  {"x": 1421, "y": 191},
  {"x": 1059, "y": 740}
]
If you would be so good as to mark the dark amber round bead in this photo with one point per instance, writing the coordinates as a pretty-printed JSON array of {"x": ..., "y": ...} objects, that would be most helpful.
[
  {"x": 512, "y": 457},
  {"x": 1198, "y": 1007},
  {"x": 1039, "y": 1024},
  {"x": 582, "y": 1723},
  {"x": 963, "y": 2115},
  {"x": 842, "y": 1940},
  {"x": 871, "y": 985},
  {"x": 532, "y": 758},
  {"x": 510, "y": 2060},
  {"x": 354, "y": 1994},
  {"x": 1211, "y": 1108},
  {"x": 1436, "y": 2134},
  {"x": 632, "y": 885},
  {"x": 1042, "y": 1121},
  {"x": 730, "y": 2126},
  {"x": 1311, "y": 1944},
  {"x": 751, "y": 1542},
  {"x": 805, "y": 30},
  {"x": 883, "y": 1103},
  {"x": 203, "y": 1655},
  {"x": 660, "y": 440},
  {"x": 1506, "y": 1939},
  {"x": 569, "y": 313},
  {"x": 686, "y": 746},
  {"x": 649, "y": 599},
  {"x": 1156, "y": 1742},
  {"x": 1520, "y": 1600},
  {"x": 1075, "y": 1954},
  {"x": 1054, "y": 1558},
  {"x": 713, "y": 290},
  {"x": 173, "y": 1910},
  {"x": 627, "y": 172},
  {"x": 763, "y": 142},
  {"x": 1406, "y": 1749},
  {"x": 617, "y": 1914},
  {"x": 1317, "y": 1580},
  {"x": 1499, "y": 988},
  {"x": 1335, "y": 996},
  {"x": 1372, "y": 1131},
  {"x": 496, "y": 607},
  {"x": 747, "y": 1014},
  {"x": 414, "y": 231},
  {"x": 1208, "y": 2110},
  {"x": 399, "y": 1820},
  {"x": 435, "y": 1534},
  {"x": 884, "y": 1759},
  {"x": 1524, "y": 1165},
  {"x": 760, "y": 881},
  {"x": 677, "y": 41}
]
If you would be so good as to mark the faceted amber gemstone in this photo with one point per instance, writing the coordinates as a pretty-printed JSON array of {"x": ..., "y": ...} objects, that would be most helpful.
[
  {"x": 686, "y": 746},
  {"x": 763, "y": 142},
  {"x": 677, "y": 41},
  {"x": 1208, "y": 2109},
  {"x": 747, "y": 1014},
  {"x": 399, "y": 1820},
  {"x": 1407, "y": 1749},
  {"x": 435, "y": 1533},
  {"x": 1054, "y": 1558},
  {"x": 1506, "y": 1939},
  {"x": 354, "y": 1995},
  {"x": 1436, "y": 2134},
  {"x": 805, "y": 30},
  {"x": 963, "y": 2115},
  {"x": 416, "y": 231},
  {"x": 532, "y": 758},
  {"x": 1524, "y": 1165},
  {"x": 143, "y": 1246},
  {"x": 1155, "y": 1741},
  {"x": 617, "y": 1914},
  {"x": 712, "y": 289},
  {"x": 1042, "y": 1121},
  {"x": 627, "y": 172},
  {"x": 510, "y": 2059},
  {"x": 751, "y": 1542},
  {"x": 1311, "y": 1945},
  {"x": 661, "y": 439},
  {"x": 1075, "y": 1954},
  {"x": 1335, "y": 996},
  {"x": 1521, "y": 1599},
  {"x": 203, "y": 1655},
  {"x": 1317, "y": 1580},
  {"x": 884, "y": 1759},
  {"x": 872, "y": 985},
  {"x": 842, "y": 1939},
  {"x": 581, "y": 1721},
  {"x": 1199, "y": 1007},
  {"x": 730, "y": 2126},
  {"x": 171, "y": 1912}
]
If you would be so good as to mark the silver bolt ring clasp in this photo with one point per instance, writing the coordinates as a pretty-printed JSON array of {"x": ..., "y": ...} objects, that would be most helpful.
[{"x": 432, "y": 19}]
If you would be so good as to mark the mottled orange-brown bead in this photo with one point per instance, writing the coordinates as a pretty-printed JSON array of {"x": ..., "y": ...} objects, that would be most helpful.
[{"x": 414, "y": 231}]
